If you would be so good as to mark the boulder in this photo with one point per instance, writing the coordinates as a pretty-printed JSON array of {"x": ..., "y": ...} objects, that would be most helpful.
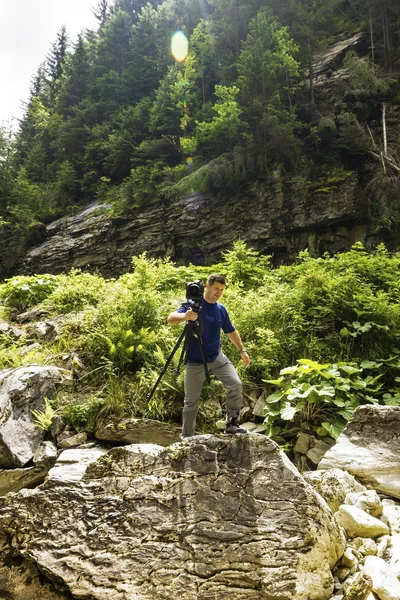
[
  {"x": 22, "y": 390},
  {"x": 211, "y": 517},
  {"x": 137, "y": 431},
  {"x": 358, "y": 523},
  {"x": 385, "y": 583},
  {"x": 72, "y": 464},
  {"x": 333, "y": 485},
  {"x": 369, "y": 448},
  {"x": 13, "y": 480}
]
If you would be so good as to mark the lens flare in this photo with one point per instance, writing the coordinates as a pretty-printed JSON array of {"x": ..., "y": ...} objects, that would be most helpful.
[{"x": 179, "y": 46}]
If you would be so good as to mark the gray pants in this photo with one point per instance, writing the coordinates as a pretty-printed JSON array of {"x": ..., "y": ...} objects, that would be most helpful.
[{"x": 224, "y": 370}]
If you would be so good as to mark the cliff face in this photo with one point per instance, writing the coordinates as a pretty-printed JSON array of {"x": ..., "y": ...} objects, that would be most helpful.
[{"x": 278, "y": 218}]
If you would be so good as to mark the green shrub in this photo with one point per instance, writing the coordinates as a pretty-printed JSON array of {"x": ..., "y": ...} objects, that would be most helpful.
[
  {"x": 76, "y": 291},
  {"x": 321, "y": 398},
  {"x": 24, "y": 291}
]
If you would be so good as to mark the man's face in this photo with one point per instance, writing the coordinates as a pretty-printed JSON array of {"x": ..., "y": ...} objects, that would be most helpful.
[{"x": 213, "y": 292}]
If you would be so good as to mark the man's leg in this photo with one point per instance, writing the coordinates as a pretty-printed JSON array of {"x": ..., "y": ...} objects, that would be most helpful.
[
  {"x": 226, "y": 372},
  {"x": 193, "y": 381}
]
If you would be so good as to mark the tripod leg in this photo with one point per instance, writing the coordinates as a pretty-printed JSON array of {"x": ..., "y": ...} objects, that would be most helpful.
[{"x": 165, "y": 367}]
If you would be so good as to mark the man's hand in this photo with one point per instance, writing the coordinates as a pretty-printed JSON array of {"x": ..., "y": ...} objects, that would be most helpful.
[
  {"x": 245, "y": 358},
  {"x": 190, "y": 315}
]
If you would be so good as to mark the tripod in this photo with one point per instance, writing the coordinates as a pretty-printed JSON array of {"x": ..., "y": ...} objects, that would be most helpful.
[{"x": 185, "y": 337}]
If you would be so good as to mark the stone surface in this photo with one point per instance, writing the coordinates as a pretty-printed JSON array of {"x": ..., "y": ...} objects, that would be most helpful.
[
  {"x": 22, "y": 390},
  {"x": 360, "y": 588},
  {"x": 280, "y": 217},
  {"x": 73, "y": 463},
  {"x": 22, "y": 580},
  {"x": 367, "y": 500},
  {"x": 74, "y": 440},
  {"x": 369, "y": 448},
  {"x": 333, "y": 485},
  {"x": 13, "y": 480},
  {"x": 138, "y": 431},
  {"x": 358, "y": 523},
  {"x": 385, "y": 583},
  {"x": 211, "y": 517}
]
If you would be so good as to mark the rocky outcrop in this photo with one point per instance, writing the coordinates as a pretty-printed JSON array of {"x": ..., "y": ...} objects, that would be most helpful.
[
  {"x": 369, "y": 448},
  {"x": 278, "y": 218},
  {"x": 23, "y": 390},
  {"x": 211, "y": 517},
  {"x": 137, "y": 431}
]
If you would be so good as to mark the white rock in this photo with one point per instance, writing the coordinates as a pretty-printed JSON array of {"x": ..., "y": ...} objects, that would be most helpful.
[
  {"x": 394, "y": 552},
  {"x": 367, "y": 500},
  {"x": 358, "y": 523},
  {"x": 391, "y": 514},
  {"x": 385, "y": 583}
]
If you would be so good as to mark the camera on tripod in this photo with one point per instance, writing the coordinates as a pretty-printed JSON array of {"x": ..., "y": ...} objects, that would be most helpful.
[{"x": 194, "y": 292}]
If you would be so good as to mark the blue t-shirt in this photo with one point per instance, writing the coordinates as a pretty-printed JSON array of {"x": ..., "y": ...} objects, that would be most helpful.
[{"x": 214, "y": 317}]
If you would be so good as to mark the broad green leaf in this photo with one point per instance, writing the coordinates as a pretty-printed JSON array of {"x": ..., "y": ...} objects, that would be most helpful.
[
  {"x": 349, "y": 369},
  {"x": 334, "y": 430},
  {"x": 288, "y": 412},
  {"x": 312, "y": 364},
  {"x": 338, "y": 401},
  {"x": 370, "y": 364},
  {"x": 327, "y": 390},
  {"x": 288, "y": 371},
  {"x": 390, "y": 400},
  {"x": 271, "y": 410},
  {"x": 275, "y": 397},
  {"x": 371, "y": 399},
  {"x": 346, "y": 413},
  {"x": 274, "y": 381}
]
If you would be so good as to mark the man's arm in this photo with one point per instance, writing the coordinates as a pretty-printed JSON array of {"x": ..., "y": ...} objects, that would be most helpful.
[
  {"x": 178, "y": 317},
  {"x": 236, "y": 341}
]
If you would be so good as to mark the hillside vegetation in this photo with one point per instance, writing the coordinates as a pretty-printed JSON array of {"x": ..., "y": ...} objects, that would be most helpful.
[
  {"x": 323, "y": 336},
  {"x": 115, "y": 118}
]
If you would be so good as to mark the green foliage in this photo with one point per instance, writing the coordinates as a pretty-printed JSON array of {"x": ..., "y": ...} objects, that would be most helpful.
[
  {"x": 245, "y": 265},
  {"x": 336, "y": 318},
  {"x": 75, "y": 291},
  {"x": 43, "y": 418},
  {"x": 81, "y": 414},
  {"x": 24, "y": 291}
]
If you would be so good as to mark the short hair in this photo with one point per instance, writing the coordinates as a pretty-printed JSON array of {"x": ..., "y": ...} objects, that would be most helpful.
[{"x": 216, "y": 277}]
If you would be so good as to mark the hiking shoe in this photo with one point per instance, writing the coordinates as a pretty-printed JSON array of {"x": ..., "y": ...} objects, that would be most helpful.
[{"x": 233, "y": 427}]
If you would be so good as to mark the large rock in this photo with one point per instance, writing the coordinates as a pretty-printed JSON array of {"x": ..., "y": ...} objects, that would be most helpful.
[
  {"x": 137, "y": 431},
  {"x": 22, "y": 390},
  {"x": 281, "y": 217},
  {"x": 369, "y": 448},
  {"x": 209, "y": 518}
]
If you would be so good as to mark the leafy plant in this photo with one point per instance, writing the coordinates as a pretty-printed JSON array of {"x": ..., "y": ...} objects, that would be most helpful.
[
  {"x": 43, "y": 418},
  {"x": 322, "y": 397},
  {"x": 24, "y": 291}
]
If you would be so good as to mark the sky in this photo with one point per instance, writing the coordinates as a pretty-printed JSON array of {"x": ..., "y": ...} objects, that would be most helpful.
[{"x": 27, "y": 30}]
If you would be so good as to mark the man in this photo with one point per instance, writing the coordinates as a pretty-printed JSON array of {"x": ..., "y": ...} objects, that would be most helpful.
[{"x": 214, "y": 317}]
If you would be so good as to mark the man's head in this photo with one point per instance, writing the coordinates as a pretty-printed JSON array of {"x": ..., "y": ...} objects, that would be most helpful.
[{"x": 214, "y": 288}]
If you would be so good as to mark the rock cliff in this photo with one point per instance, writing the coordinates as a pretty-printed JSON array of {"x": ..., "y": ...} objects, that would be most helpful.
[{"x": 278, "y": 218}]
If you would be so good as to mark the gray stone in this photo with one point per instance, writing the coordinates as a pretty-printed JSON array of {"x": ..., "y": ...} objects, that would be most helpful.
[
  {"x": 358, "y": 523},
  {"x": 13, "y": 480},
  {"x": 369, "y": 448},
  {"x": 73, "y": 463},
  {"x": 22, "y": 390},
  {"x": 73, "y": 440},
  {"x": 211, "y": 517},
  {"x": 137, "y": 431},
  {"x": 316, "y": 453},
  {"x": 385, "y": 582},
  {"x": 45, "y": 455},
  {"x": 333, "y": 485}
]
